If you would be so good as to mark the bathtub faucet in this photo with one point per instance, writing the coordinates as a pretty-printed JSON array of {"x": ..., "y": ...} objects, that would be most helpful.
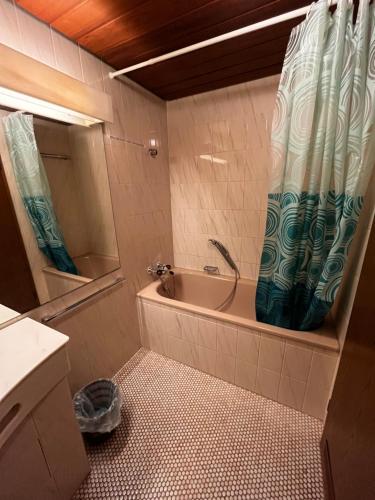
[{"x": 159, "y": 269}]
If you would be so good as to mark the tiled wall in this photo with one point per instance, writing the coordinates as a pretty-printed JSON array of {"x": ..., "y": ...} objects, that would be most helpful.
[
  {"x": 139, "y": 188},
  {"x": 92, "y": 183},
  {"x": 139, "y": 184},
  {"x": 219, "y": 160},
  {"x": 292, "y": 373}
]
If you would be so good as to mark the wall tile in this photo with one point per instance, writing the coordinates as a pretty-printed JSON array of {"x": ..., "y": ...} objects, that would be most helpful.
[
  {"x": 171, "y": 325},
  {"x": 114, "y": 89},
  {"x": 254, "y": 193},
  {"x": 212, "y": 195},
  {"x": 177, "y": 349},
  {"x": 206, "y": 360},
  {"x": 271, "y": 353},
  {"x": 9, "y": 32},
  {"x": 226, "y": 339},
  {"x": 250, "y": 250},
  {"x": 158, "y": 342},
  {"x": 250, "y": 221},
  {"x": 200, "y": 169},
  {"x": 235, "y": 220},
  {"x": 220, "y": 167},
  {"x": 319, "y": 384},
  {"x": 235, "y": 196},
  {"x": 67, "y": 56},
  {"x": 297, "y": 362},
  {"x": 245, "y": 375},
  {"x": 251, "y": 271},
  {"x": 188, "y": 327},
  {"x": 207, "y": 334},
  {"x": 291, "y": 392},
  {"x": 316, "y": 400},
  {"x": 36, "y": 38},
  {"x": 323, "y": 367},
  {"x": 214, "y": 222},
  {"x": 236, "y": 162},
  {"x": 225, "y": 367},
  {"x": 198, "y": 139},
  {"x": 221, "y": 137},
  {"x": 248, "y": 344},
  {"x": 91, "y": 69},
  {"x": 267, "y": 383}
]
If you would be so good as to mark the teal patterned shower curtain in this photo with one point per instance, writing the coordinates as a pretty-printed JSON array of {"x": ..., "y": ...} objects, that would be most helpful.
[
  {"x": 34, "y": 189},
  {"x": 323, "y": 149}
]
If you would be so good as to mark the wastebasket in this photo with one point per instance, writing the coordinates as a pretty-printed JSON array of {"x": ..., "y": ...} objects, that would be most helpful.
[{"x": 97, "y": 407}]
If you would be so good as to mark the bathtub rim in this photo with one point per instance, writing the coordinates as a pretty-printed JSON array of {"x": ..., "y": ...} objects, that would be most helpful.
[
  {"x": 65, "y": 275},
  {"x": 325, "y": 339}
]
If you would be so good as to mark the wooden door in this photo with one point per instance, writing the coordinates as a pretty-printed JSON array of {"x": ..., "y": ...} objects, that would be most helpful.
[
  {"x": 348, "y": 443},
  {"x": 17, "y": 289}
]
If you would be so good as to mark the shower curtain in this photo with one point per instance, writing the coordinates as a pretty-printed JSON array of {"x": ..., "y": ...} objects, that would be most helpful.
[
  {"x": 34, "y": 189},
  {"x": 323, "y": 149}
]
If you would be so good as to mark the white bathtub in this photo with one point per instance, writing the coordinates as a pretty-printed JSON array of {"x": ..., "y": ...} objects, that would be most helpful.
[{"x": 293, "y": 368}]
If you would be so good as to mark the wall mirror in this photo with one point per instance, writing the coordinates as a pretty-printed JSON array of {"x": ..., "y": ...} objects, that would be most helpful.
[{"x": 56, "y": 214}]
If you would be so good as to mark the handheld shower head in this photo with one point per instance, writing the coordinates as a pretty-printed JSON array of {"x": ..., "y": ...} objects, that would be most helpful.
[{"x": 225, "y": 253}]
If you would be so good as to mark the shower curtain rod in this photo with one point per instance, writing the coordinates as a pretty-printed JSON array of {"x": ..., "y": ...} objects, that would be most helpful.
[{"x": 217, "y": 39}]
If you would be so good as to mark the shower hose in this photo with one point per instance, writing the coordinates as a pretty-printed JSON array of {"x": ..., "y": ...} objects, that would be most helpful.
[{"x": 231, "y": 294}]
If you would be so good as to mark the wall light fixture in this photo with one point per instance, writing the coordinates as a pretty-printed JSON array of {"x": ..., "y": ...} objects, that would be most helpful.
[{"x": 23, "y": 102}]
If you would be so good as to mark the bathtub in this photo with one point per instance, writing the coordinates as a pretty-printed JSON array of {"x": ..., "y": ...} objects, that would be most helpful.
[{"x": 294, "y": 368}]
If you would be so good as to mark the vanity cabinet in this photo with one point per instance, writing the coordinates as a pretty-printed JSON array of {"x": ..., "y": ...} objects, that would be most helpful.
[
  {"x": 44, "y": 458},
  {"x": 42, "y": 455},
  {"x": 24, "y": 470}
]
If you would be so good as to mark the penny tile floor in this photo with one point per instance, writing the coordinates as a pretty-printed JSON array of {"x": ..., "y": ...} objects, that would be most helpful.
[{"x": 187, "y": 435}]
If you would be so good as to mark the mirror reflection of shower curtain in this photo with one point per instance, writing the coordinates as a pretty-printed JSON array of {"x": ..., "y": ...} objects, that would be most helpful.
[
  {"x": 323, "y": 143},
  {"x": 34, "y": 189}
]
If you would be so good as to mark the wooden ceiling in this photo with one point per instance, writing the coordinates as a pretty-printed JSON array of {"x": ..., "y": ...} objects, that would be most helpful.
[{"x": 126, "y": 32}]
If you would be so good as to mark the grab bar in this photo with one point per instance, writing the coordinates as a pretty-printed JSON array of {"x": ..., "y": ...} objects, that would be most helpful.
[{"x": 77, "y": 304}]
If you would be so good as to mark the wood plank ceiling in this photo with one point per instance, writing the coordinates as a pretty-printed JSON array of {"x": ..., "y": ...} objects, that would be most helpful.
[{"x": 126, "y": 32}]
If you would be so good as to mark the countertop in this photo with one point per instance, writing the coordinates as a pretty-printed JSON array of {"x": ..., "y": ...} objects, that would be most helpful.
[
  {"x": 24, "y": 346},
  {"x": 7, "y": 314}
]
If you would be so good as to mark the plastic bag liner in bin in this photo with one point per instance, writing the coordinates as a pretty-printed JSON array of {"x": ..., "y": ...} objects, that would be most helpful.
[{"x": 97, "y": 406}]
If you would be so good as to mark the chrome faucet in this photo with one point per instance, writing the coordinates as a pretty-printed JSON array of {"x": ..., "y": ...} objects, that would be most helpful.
[{"x": 159, "y": 269}]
